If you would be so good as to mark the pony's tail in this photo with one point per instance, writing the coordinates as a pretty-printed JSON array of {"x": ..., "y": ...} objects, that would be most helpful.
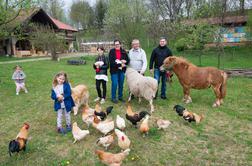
[{"x": 223, "y": 85}]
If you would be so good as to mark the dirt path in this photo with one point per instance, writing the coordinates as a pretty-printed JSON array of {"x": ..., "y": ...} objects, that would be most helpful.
[{"x": 61, "y": 56}]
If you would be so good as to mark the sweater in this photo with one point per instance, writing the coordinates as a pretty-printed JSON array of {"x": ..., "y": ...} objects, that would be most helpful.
[
  {"x": 101, "y": 72},
  {"x": 158, "y": 56},
  {"x": 138, "y": 60}
]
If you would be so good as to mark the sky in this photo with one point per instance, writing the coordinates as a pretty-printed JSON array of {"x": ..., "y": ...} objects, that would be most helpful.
[{"x": 68, "y": 3}]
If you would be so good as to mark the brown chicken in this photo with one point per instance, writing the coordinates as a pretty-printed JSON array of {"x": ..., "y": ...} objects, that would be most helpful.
[
  {"x": 111, "y": 159},
  {"x": 190, "y": 117},
  {"x": 144, "y": 127},
  {"x": 103, "y": 126},
  {"x": 87, "y": 115},
  {"x": 135, "y": 117},
  {"x": 123, "y": 140},
  {"x": 20, "y": 142}
]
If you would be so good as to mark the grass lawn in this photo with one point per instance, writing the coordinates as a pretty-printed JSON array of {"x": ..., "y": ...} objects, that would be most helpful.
[{"x": 223, "y": 138}]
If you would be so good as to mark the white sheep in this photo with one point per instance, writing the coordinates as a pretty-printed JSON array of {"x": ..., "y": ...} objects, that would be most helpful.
[{"x": 141, "y": 86}]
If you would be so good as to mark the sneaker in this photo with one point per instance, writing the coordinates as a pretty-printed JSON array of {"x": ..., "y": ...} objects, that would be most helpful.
[
  {"x": 17, "y": 93},
  {"x": 97, "y": 99},
  {"x": 122, "y": 100},
  {"x": 102, "y": 101},
  {"x": 114, "y": 101},
  {"x": 61, "y": 130},
  {"x": 69, "y": 128},
  {"x": 26, "y": 91},
  {"x": 163, "y": 97}
]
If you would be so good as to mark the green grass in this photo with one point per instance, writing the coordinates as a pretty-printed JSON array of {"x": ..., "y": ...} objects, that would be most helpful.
[{"x": 223, "y": 138}]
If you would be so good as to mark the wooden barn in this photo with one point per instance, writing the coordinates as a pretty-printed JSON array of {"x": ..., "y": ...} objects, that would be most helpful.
[{"x": 23, "y": 47}]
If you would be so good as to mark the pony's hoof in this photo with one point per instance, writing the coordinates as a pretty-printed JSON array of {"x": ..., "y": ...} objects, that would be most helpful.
[{"x": 215, "y": 105}]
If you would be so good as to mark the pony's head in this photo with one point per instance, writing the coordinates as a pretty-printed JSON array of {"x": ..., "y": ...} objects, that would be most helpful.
[
  {"x": 171, "y": 61},
  {"x": 168, "y": 63}
]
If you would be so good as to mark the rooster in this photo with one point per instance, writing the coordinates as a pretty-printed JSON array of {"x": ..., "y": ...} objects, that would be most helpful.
[
  {"x": 133, "y": 117},
  {"x": 192, "y": 117},
  {"x": 87, "y": 115},
  {"x": 106, "y": 141},
  {"x": 163, "y": 124},
  {"x": 179, "y": 109},
  {"x": 144, "y": 127},
  {"x": 103, "y": 114},
  {"x": 20, "y": 142},
  {"x": 120, "y": 122},
  {"x": 103, "y": 126},
  {"x": 111, "y": 159},
  {"x": 187, "y": 115},
  {"x": 78, "y": 134},
  {"x": 123, "y": 140}
]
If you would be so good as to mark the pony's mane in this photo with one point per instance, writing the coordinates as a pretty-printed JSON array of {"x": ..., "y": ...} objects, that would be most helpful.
[{"x": 183, "y": 60}]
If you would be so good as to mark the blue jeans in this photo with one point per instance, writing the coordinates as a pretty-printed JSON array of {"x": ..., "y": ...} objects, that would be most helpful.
[
  {"x": 157, "y": 75},
  {"x": 117, "y": 80}
]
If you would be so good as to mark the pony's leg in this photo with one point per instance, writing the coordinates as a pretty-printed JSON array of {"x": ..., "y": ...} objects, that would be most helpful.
[
  {"x": 218, "y": 96},
  {"x": 187, "y": 99},
  {"x": 151, "y": 105}
]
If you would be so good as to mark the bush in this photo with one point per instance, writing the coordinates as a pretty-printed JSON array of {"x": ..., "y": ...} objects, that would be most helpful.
[{"x": 181, "y": 44}]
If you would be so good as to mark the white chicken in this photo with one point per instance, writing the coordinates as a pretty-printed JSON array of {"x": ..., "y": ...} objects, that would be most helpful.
[
  {"x": 88, "y": 115},
  {"x": 106, "y": 141},
  {"x": 103, "y": 126},
  {"x": 163, "y": 124},
  {"x": 123, "y": 140},
  {"x": 120, "y": 122},
  {"x": 78, "y": 134}
]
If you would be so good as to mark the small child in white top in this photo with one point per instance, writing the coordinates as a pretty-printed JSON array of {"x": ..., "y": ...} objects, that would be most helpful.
[{"x": 19, "y": 78}]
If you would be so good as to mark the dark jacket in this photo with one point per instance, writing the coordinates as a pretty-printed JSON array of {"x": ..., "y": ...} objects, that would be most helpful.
[
  {"x": 114, "y": 67},
  {"x": 68, "y": 100},
  {"x": 104, "y": 67},
  {"x": 158, "y": 56}
]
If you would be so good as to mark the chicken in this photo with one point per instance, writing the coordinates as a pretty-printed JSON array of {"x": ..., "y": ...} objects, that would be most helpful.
[
  {"x": 111, "y": 159},
  {"x": 163, "y": 124},
  {"x": 103, "y": 126},
  {"x": 104, "y": 114},
  {"x": 192, "y": 117},
  {"x": 133, "y": 117},
  {"x": 88, "y": 115},
  {"x": 120, "y": 122},
  {"x": 144, "y": 127},
  {"x": 123, "y": 140},
  {"x": 20, "y": 142},
  {"x": 179, "y": 109},
  {"x": 106, "y": 141},
  {"x": 78, "y": 134}
]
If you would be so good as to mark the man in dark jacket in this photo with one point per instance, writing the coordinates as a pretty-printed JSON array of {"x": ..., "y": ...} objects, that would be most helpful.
[
  {"x": 118, "y": 59},
  {"x": 157, "y": 57}
]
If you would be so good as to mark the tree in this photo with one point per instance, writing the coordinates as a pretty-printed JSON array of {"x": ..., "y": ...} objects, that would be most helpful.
[
  {"x": 82, "y": 13},
  {"x": 126, "y": 19},
  {"x": 100, "y": 10},
  {"x": 44, "y": 38}
]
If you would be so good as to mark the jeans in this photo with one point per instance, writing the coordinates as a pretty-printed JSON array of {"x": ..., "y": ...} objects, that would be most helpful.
[
  {"x": 60, "y": 116},
  {"x": 98, "y": 88},
  {"x": 157, "y": 75},
  {"x": 117, "y": 80}
]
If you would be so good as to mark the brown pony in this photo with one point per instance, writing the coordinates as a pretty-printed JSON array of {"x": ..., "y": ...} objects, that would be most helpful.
[{"x": 191, "y": 76}]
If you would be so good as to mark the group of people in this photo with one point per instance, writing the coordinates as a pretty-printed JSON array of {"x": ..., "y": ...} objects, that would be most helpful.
[{"x": 117, "y": 62}]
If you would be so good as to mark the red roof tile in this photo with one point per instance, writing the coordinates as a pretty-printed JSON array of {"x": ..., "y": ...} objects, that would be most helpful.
[{"x": 62, "y": 25}]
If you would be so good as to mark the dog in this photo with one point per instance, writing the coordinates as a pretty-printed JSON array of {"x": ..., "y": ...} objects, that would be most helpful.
[{"x": 80, "y": 96}]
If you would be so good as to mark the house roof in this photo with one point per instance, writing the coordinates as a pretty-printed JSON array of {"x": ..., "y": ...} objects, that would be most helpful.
[
  {"x": 62, "y": 25},
  {"x": 27, "y": 15},
  {"x": 218, "y": 20}
]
